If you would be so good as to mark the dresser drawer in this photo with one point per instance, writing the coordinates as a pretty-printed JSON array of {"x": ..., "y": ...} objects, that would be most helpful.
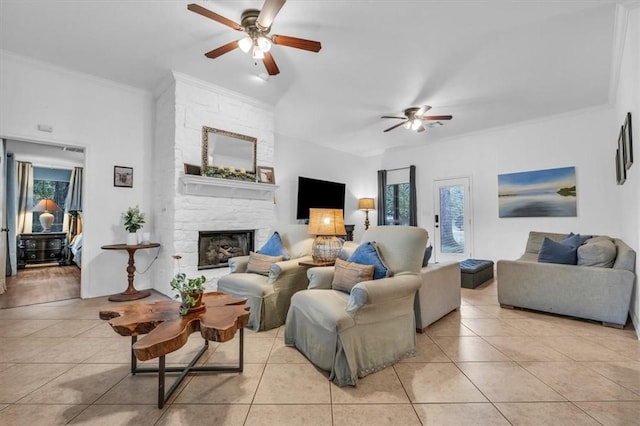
[{"x": 55, "y": 244}]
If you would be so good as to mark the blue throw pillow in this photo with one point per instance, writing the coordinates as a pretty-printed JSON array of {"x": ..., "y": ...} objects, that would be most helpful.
[
  {"x": 573, "y": 240},
  {"x": 274, "y": 247},
  {"x": 583, "y": 238},
  {"x": 555, "y": 252},
  {"x": 367, "y": 254}
]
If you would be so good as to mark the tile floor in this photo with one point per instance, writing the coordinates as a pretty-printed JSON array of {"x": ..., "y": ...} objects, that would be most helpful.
[{"x": 60, "y": 364}]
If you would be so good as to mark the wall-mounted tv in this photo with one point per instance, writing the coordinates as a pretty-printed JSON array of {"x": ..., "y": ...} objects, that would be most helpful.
[{"x": 314, "y": 193}]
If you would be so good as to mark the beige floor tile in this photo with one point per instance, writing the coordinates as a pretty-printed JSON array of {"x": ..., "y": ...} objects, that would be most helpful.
[
  {"x": 110, "y": 415},
  {"x": 256, "y": 351},
  {"x": 118, "y": 352},
  {"x": 582, "y": 349},
  {"x": 437, "y": 382},
  {"x": 507, "y": 382},
  {"x": 612, "y": 413},
  {"x": 289, "y": 415},
  {"x": 373, "y": 415},
  {"x": 70, "y": 350},
  {"x": 545, "y": 413},
  {"x": 4, "y": 366},
  {"x": 460, "y": 414},
  {"x": 492, "y": 327},
  {"x": 66, "y": 328},
  {"x": 293, "y": 384},
  {"x": 625, "y": 374},
  {"x": 222, "y": 388},
  {"x": 43, "y": 414},
  {"x": 468, "y": 348},
  {"x": 427, "y": 351},
  {"x": 497, "y": 311},
  {"x": 102, "y": 329},
  {"x": 520, "y": 348},
  {"x": 271, "y": 334},
  {"x": 448, "y": 326},
  {"x": 186, "y": 415},
  {"x": 20, "y": 328},
  {"x": 626, "y": 346},
  {"x": 139, "y": 389},
  {"x": 540, "y": 326},
  {"x": 470, "y": 311},
  {"x": 22, "y": 379},
  {"x": 282, "y": 354},
  {"x": 382, "y": 387},
  {"x": 82, "y": 384},
  {"x": 577, "y": 382}
]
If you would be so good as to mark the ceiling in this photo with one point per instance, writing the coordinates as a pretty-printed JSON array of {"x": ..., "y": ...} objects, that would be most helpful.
[{"x": 488, "y": 63}]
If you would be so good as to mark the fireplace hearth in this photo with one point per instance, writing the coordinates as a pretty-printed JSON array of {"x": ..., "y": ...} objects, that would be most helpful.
[{"x": 215, "y": 248}]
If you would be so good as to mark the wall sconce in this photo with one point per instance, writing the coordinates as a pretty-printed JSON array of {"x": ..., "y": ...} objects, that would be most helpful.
[
  {"x": 46, "y": 218},
  {"x": 325, "y": 224},
  {"x": 366, "y": 204}
]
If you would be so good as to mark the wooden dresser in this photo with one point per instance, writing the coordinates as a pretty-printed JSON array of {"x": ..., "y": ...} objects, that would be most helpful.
[{"x": 43, "y": 247}]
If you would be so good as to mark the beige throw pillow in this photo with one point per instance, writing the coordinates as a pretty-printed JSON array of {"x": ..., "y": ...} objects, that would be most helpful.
[
  {"x": 348, "y": 274},
  {"x": 260, "y": 263}
]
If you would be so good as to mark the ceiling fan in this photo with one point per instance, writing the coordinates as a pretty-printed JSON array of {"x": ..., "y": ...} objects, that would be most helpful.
[
  {"x": 256, "y": 24},
  {"x": 414, "y": 119}
]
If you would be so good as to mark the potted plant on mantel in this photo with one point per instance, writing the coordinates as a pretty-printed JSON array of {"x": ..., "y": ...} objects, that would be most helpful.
[
  {"x": 190, "y": 290},
  {"x": 133, "y": 220}
]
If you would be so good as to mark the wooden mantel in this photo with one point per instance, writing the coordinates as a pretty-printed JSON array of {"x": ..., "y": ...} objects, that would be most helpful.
[{"x": 225, "y": 188}]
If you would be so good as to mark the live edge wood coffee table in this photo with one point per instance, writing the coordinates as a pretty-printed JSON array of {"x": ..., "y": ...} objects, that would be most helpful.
[{"x": 167, "y": 331}]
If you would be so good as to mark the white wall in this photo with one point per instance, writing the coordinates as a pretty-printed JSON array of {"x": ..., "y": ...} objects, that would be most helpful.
[
  {"x": 295, "y": 158},
  {"x": 114, "y": 124},
  {"x": 581, "y": 139},
  {"x": 628, "y": 100}
]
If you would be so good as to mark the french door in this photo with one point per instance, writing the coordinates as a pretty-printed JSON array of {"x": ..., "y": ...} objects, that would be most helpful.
[
  {"x": 3, "y": 219},
  {"x": 453, "y": 227}
]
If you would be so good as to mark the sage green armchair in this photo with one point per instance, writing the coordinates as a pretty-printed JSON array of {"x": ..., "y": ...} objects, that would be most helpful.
[
  {"x": 268, "y": 296},
  {"x": 373, "y": 327}
]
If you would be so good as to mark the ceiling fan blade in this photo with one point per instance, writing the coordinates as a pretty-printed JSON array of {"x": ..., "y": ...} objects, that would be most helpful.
[
  {"x": 212, "y": 15},
  {"x": 437, "y": 117},
  {"x": 421, "y": 129},
  {"x": 222, "y": 50},
  {"x": 270, "y": 9},
  {"x": 422, "y": 110},
  {"x": 270, "y": 64},
  {"x": 397, "y": 125},
  {"x": 392, "y": 116},
  {"x": 298, "y": 43}
]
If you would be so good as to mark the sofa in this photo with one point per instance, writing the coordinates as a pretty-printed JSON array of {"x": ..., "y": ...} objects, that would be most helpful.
[
  {"x": 439, "y": 293},
  {"x": 599, "y": 293}
]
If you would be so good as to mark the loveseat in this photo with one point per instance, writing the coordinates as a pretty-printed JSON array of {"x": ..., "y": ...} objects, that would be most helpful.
[{"x": 598, "y": 293}]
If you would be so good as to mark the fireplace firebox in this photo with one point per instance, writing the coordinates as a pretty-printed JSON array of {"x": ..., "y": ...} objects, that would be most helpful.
[{"x": 215, "y": 248}]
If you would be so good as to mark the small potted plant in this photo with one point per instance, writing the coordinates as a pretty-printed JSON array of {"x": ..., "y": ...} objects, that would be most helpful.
[
  {"x": 190, "y": 290},
  {"x": 133, "y": 220}
]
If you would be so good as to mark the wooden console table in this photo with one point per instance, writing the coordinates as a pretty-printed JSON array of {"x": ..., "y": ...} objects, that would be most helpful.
[
  {"x": 168, "y": 331},
  {"x": 130, "y": 293}
]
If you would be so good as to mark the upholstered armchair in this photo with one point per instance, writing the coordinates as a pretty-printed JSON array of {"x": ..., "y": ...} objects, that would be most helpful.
[
  {"x": 269, "y": 291},
  {"x": 352, "y": 334}
]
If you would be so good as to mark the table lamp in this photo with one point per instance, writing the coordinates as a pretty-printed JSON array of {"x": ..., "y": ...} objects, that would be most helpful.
[
  {"x": 366, "y": 204},
  {"x": 46, "y": 218},
  {"x": 325, "y": 224}
]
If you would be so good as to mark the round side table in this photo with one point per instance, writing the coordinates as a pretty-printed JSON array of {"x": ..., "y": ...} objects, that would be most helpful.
[{"x": 130, "y": 293}]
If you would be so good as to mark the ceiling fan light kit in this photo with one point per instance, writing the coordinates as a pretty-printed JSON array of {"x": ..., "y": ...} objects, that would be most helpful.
[
  {"x": 414, "y": 119},
  {"x": 256, "y": 24}
]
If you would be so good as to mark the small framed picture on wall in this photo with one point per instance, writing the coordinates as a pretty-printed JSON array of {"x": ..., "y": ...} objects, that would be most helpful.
[
  {"x": 123, "y": 176},
  {"x": 266, "y": 175}
]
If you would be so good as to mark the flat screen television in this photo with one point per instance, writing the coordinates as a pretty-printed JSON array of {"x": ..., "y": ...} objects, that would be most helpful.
[{"x": 314, "y": 193}]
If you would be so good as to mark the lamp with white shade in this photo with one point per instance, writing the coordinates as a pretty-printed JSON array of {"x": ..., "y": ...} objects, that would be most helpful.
[
  {"x": 325, "y": 224},
  {"x": 46, "y": 218}
]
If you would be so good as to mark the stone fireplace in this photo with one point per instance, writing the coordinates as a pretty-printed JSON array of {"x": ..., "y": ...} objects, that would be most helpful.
[{"x": 215, "y": 248}]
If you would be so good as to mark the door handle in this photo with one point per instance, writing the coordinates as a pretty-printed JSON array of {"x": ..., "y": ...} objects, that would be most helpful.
[{"x": 4, "y": 229}]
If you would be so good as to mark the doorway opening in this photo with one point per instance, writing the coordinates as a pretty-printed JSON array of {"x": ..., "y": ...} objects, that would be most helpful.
[{"x": 453, "y": 226}]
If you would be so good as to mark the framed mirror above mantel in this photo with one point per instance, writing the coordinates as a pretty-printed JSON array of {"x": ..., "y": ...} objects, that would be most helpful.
[{"x": 227, "y": 150}]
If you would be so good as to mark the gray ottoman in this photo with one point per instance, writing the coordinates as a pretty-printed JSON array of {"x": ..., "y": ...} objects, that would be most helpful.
[{"x": 475, "y": 271}]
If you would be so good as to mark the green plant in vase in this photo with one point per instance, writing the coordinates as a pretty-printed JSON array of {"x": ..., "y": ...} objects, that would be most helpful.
[
  {"x": 190, "y": 290},
  {"x": 133, "y": 220}
]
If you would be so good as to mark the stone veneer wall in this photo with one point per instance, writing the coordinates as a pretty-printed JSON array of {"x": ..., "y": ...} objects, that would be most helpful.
[{"x": 185, "y": 105}]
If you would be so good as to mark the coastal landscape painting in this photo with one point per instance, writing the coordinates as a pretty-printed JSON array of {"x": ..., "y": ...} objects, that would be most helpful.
[{"x": 538, "y": 193}]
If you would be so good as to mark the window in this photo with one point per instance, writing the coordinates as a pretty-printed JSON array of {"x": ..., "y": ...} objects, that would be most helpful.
[
  {"x": 396, "y": 190},
  {"x": 51, "y": 184}
]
